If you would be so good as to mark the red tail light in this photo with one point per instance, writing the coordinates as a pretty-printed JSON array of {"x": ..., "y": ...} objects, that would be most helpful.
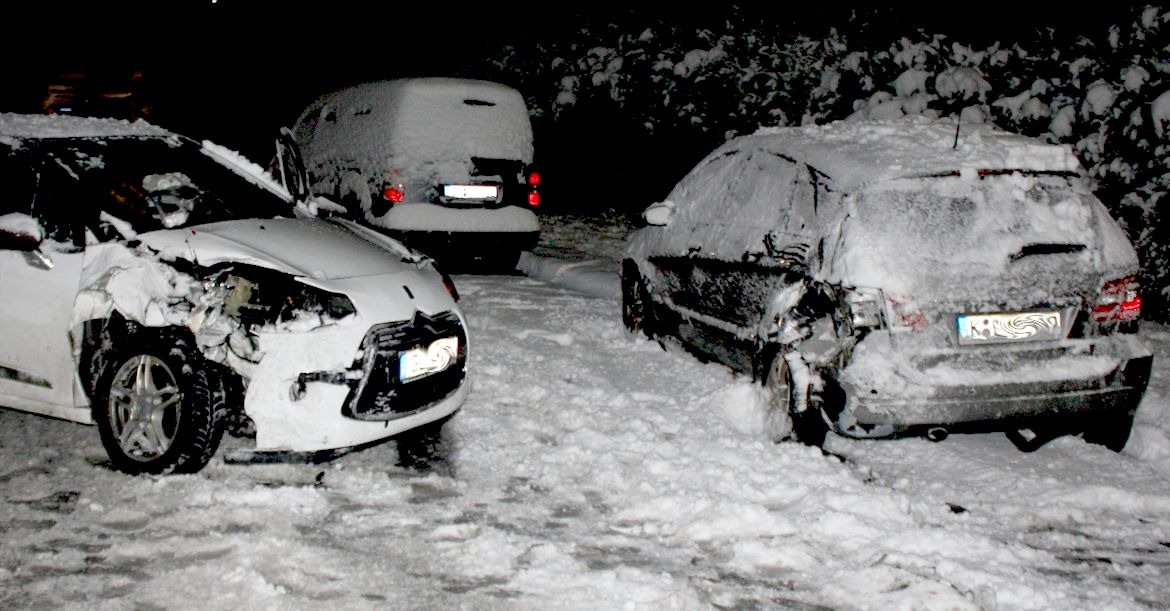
[
  {"x": 534, "y": 178},
  {"x": 1119, "y": 301},
  {"x": 533, "y": 198},
  {"x": 394, "y": 194},
  {"x": 449, "y": 284}
]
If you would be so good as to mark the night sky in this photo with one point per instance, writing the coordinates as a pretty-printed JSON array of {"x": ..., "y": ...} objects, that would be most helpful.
[{"x": 236, "y": 71}]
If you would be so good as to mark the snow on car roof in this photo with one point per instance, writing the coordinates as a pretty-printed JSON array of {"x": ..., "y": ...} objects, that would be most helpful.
[
  {"x": 418, "y": 120},
  {"x": 66, "y": 126},
  {"x": 855, "y": 153}
]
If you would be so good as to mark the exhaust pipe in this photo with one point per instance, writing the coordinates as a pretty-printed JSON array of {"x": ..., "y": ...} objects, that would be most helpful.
[{"x": 936, "y": 433}]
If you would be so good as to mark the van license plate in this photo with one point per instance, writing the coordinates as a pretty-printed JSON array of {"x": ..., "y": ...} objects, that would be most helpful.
[
  {"x": 418, "y": 362},
  {"x": 1009, "y": 327},
  {"x": 471, "y": 191}
]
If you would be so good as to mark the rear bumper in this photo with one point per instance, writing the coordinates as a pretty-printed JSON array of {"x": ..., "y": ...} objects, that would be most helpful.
[{"x": 1076, "y": 379}]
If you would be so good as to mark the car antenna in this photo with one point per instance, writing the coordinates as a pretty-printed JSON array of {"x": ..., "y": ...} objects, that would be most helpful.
[{"x": 958, "y": 123}]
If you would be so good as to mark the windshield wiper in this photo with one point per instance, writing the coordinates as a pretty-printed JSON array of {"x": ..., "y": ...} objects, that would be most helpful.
[{"x": 1046, "y": 249}]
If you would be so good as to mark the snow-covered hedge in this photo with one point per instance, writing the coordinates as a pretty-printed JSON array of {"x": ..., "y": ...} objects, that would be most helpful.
[{"x": 1107, "y": 95}]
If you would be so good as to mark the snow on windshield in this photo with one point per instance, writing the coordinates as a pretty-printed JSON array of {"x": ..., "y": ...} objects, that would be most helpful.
[{"x": 955, "y": 233}]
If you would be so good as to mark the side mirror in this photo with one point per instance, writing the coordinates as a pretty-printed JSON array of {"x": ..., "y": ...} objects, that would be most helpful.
[
  {"x": 320, "y": 206},
  {"x": 20, "y": 232},
  {"x": 659, "y": 213},
  {"x": 293, "y": 175}
]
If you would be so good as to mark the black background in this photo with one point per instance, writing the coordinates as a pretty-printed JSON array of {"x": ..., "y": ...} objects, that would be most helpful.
[{"x": 235, "y": 71}]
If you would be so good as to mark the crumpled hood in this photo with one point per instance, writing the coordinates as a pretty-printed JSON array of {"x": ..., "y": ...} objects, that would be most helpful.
[{"x": 302, "y": 247}]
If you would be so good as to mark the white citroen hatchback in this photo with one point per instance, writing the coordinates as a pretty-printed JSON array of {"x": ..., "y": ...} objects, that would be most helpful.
[{"x": 163, "y": 289}]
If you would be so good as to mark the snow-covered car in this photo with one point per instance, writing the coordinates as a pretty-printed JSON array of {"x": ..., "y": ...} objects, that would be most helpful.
[
  {"x": 165, "y": 289},
  {"x": 443, "y": 164},
  {"x": 891, "y": 278}
]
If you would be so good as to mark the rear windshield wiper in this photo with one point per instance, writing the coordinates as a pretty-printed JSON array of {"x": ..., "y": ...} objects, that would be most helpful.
[{"x": 1047, "y": 249}]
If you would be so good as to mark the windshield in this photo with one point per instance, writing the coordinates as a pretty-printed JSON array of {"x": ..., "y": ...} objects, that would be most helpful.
[
  {"x": 916, "y": 235},
  {"x": 157, "y": 183}
]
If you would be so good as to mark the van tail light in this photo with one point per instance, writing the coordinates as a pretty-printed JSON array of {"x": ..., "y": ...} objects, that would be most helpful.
[
  {"x": 449, "y": 284},
  {"x": 394, "y": 194},
  {"x": 1119, "y": 301},
  {"x": 533, "y": 179}
]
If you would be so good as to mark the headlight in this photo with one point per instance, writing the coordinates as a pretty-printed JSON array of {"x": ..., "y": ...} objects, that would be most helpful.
[{"x": 260, "y": 297}]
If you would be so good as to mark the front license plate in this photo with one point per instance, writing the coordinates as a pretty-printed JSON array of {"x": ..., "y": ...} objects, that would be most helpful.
[
  {"x": 418, "y": 362},
  {"x": 1009, "y": 327},
  {"x": 471, "y": 191}
]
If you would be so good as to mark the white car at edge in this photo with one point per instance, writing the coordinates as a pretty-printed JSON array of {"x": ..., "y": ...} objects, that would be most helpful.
[{"x": 164, "y": 290}]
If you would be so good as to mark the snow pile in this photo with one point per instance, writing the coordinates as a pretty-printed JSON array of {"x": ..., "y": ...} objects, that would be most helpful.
[
  {"x": 64, "y": 126},
  {"x": 18, "y": 223}
]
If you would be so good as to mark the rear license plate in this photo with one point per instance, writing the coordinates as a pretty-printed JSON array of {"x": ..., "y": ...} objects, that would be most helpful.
[
  {"x": 471, "y": 191},
  {"x": 1009, "y": 327},
  {"x": 418, "y": 362}
]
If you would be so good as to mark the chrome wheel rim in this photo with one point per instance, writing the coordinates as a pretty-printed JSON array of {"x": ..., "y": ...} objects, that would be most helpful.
[{"x": 145, "y": 407}]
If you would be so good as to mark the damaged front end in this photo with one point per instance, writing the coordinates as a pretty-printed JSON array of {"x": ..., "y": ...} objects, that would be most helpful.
[
  {"x": 308, "y": 364},
  {"x": 315, "y": 374}
]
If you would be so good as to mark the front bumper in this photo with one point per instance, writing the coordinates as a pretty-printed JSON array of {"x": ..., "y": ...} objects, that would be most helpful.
[
  {"x": 887, "y": 388},
  {"x": 335, "y": 386}
]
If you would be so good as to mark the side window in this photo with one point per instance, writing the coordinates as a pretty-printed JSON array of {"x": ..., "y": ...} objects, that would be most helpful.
[
  {"x": 806, "y": 202},
  {"x": 758, "y": 206},
  {"x": 807, "y": 215},
  {"x": 62, "y": 207},
  {"x": 19, "y": 182},
  {"x": 704, "y": 196}
]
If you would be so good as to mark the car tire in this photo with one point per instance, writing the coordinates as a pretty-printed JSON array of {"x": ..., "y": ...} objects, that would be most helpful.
[
  {"x": 637, "y": 310},
  {"x": 423, "y": 446},
  {"x": 1112, "y": 429},
  {"x": 158, "y": 405},
  {"x": 503, "y": 263},
  {"x": 807, "y": 426}
]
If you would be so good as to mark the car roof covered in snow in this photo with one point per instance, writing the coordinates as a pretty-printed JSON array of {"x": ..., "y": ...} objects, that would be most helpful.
[
  {"x": 66, "y": 126},
  {"x": 857, "y": 153},
  {"x": 417, "y": 121}
]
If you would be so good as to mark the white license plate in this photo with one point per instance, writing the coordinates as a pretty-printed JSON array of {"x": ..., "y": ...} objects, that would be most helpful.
[
  {"x": 1009, "y": 327},
  {"x": 417, "y": 362},
  {"x": 471, "y": 191}
]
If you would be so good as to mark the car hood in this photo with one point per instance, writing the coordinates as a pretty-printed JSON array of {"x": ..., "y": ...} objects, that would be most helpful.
[{"x": 302, "y": 247}]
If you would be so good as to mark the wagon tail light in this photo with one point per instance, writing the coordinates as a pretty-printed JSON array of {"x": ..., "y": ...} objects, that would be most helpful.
[
  {"x": 1119, "y": 301},
  {"x": 533, "y": 180},
  {"x": 875, "y": 309}
]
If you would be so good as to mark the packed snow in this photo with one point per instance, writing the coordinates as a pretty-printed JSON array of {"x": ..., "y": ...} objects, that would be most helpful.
[{"x": 590, "y": 471}]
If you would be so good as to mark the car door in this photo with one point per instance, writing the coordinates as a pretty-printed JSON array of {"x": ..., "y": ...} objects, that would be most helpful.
[
  {"x": 37, "y": 293},
  {"x": 737, "y": 260},
  {"x": 700, "y": 198}
]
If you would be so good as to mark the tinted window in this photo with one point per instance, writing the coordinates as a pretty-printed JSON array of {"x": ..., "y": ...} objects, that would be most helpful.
[{"x": 17, "y": 182}]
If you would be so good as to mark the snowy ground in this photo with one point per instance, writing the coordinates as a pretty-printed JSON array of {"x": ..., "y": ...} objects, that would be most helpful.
[{"x": 590, "y": 472}]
